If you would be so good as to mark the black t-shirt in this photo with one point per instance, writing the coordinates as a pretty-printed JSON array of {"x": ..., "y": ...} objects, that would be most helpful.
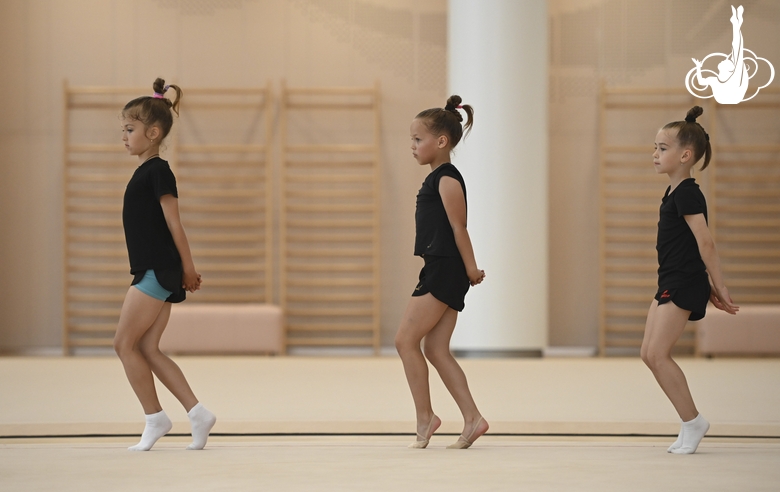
[
  {"x": 679, "y": 260},
  {"x": 434, "y": 232},
  {"x": 149, "y": 241}
]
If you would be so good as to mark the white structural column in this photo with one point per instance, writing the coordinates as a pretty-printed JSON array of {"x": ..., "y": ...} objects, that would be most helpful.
[{"x": 498, "y": 58}]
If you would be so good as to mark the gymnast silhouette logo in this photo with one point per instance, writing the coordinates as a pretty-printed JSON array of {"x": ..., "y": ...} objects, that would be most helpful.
[{"x": 735, "y": 70}]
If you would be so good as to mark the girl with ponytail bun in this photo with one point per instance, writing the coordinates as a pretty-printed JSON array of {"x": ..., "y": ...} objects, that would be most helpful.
[
  {"x": 155, "y": 110},
  {"x": 443, "y": 242},
  {"x": 162, "y": 266},
  {"x": 689, "y": 271}
]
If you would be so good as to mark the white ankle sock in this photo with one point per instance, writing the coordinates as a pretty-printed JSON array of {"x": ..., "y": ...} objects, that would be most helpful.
[
  {"x": 679, "y": 440},
  {"x": 157, "y": 425},
  {"x": 692, "y": 433},
  {"x": 201, "y": 421}
]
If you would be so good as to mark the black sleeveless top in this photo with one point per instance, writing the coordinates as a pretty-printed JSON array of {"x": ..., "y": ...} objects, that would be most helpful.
[{"x": 434, "y": 233}]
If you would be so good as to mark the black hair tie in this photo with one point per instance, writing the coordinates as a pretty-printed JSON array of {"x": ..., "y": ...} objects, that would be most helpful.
[
  {"x": 692, "y": 119},
  {"x": 706, "y": 135}
]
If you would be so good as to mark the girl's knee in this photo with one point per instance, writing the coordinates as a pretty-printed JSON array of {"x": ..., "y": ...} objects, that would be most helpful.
[
  {"x": 645, "y": 357},
  {"x": 149, "y": 350},
  {"x": 436, "y": 354},
  {"x": 653, "y": 357},
  {"x": 643, "y": 353},
  {"x": 404, "y": 343},
  {"x": 122, "y": 345},
  {"x": 401, "y": 343},
  {"x": 117, "y": 347}
]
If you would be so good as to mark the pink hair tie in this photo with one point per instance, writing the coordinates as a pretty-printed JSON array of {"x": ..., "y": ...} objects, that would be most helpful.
[
  {"x": 458, "y": 107},
  {"x": 160, "y": 95}
]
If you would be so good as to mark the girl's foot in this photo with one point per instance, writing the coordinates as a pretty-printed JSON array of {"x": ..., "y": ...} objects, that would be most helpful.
[
  {"x": 465, "y": 441},
  {"x": 692, "y": 433},
  {"x": 676, "y": 444},
  {"x": 201, "y": 421},
  {"x": 423, "y": 439},
  {"x": 157, "y": 425}
]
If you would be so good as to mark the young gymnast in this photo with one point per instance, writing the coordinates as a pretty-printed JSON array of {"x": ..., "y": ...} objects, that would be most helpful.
[
  {"x": 161, "y": 262},
  {"x": 450, "y": 268},
  {"x": 686, "y": 255}
]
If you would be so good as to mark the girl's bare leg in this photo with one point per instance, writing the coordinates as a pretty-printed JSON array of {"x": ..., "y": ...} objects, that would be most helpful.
[
  {"x": 139, "y": 312},
  {"x": 201, "y": 419},
  {"x": 665, "y": 324},
  {"x": 437, "y": 350},
  {"x": 161, "y": 365},
  {"x": 422, "y": 314}
]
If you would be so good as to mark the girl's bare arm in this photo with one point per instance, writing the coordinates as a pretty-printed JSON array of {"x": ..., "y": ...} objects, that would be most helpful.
[
  {"x": 455, "y": 205},
  {"x": 170, "y": 207},
  {"x": 720, "y": 295}
]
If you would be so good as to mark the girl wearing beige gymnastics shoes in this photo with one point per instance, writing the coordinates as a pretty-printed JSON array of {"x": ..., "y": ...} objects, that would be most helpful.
[{"x": 450, "y": 269}]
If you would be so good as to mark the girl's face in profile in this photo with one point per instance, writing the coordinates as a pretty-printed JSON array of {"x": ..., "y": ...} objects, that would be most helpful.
[
  {"x": 668, "y": 152},
  {"x": 425, "y": 145},
  {"x": 134, "y": 136}
]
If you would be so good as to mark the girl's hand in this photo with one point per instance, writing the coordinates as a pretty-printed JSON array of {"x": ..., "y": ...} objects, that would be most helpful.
[
  {"x": 721, "y": 299},
  {"x": 476, "y": 276},
  {"x": 191, "y": 280}
]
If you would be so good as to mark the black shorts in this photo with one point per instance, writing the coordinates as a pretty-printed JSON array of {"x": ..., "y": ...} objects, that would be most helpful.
[
  {"x": 445, "y": 278},
  {"x": 692, "y": 298}
]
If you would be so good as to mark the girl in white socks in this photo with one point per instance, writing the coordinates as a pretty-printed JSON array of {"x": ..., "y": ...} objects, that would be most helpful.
[
  {"x": 687, "y": 264},
  {"x": 162, "y": 265}
]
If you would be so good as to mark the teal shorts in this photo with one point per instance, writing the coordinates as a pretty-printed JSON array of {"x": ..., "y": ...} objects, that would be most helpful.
[{"x": 151, "y": 287}]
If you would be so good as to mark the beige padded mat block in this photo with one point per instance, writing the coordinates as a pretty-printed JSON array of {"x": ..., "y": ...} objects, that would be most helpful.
[
  {"x": 755, "y": 330},
  {"x": 224, "y": 329}
]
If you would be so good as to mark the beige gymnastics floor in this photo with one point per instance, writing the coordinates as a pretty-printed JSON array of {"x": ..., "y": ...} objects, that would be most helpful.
[
  {"x": 57, "y": 396},
  {"x": 385, "y": 464}
]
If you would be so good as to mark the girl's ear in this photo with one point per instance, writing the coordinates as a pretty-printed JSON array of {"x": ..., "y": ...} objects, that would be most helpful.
[
  {"x": 686, "y": 156},
  {"x": 153, "y": 132},
  {"x": 442, "y": 141}
]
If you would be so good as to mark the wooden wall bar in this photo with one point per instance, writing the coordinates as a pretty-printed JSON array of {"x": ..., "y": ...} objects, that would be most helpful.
[{"x": 330, "y": 219}]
